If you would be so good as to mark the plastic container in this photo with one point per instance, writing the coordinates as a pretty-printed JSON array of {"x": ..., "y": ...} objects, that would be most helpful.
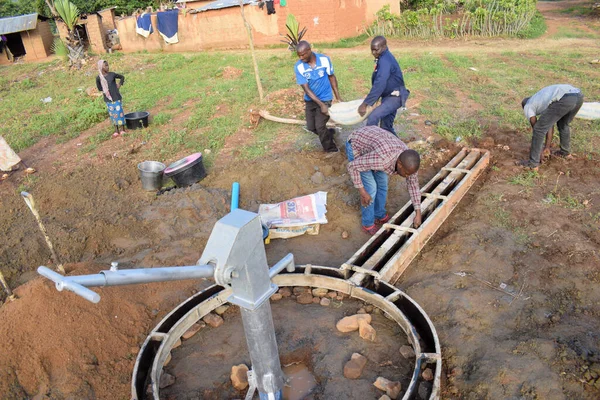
[
  {"x": 151, "y": 175},
  {"x": 187, "y": 171},
  {"x": 346, "y": 113},
  {"x": 137, "y": 120}
]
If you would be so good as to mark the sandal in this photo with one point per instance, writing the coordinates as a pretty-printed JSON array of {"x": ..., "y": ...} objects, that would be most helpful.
[
  {"x": 527, "y": 164},
  {"x": 381, "y": 221},
  {"x": 115, "y": 135},
  {"x": 371, "y": 230}
]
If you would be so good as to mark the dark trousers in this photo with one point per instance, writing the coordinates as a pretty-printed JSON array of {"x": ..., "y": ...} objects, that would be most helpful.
[
  {"x": 561, "y": 113},
  {"x": 316, "y": 122},
  {"x": 385, "y": 114}
]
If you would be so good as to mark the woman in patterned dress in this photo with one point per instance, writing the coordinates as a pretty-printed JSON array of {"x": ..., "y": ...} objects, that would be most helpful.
[{"x": 106, "y": 82}]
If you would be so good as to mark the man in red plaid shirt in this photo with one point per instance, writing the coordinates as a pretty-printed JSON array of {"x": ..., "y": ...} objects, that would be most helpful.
[{"x": 375, "y": 153}]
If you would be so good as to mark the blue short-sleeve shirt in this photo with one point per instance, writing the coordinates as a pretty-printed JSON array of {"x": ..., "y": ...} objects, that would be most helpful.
[{"x": 317, "y": 77}]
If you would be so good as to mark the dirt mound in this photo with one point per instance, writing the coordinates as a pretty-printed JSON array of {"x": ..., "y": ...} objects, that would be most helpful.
[{"x": 59, "y": 345}]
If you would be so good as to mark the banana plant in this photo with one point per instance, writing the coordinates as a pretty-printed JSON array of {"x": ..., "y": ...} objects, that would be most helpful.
[{"x": 69, "y": 13}]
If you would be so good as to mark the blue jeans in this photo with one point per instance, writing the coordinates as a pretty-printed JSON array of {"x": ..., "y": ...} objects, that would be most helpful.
[
  {"x": 384, "y": 115},
  {"x": 376, "y": 184}
]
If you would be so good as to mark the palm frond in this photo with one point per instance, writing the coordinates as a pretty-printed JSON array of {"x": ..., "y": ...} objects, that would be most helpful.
[{"x": 68, "y": 12}]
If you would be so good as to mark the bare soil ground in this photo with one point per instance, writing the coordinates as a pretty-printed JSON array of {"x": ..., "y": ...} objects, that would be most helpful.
[
  {"x": 536, "y": 339},
  {"x": 202, "y": 373}
]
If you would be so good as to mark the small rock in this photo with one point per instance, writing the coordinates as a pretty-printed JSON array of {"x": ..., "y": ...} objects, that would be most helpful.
[
  {"x": 332, "y": 295},
  {"x": 317, "y": 178},
  {"x": 177, "y": 344},
  {"x": 350, "y": 324},
  {"x": 361, "y": 311},
  {"x": 369, "y": 308},
  {"x": 428, "y": 122},
  {"x": 325, "y": 302},
  {"x": 298, "y": 290},
  {"x": 166, "y": 380},
  {"x": 285, "y": 292},
  {"x": 304, "y": 298},
  {"x": 326, "y": 170},
  {"x": 366, "y": 331},
  {"x": 168, "y": 360},
  {"x": 276, "y": 296},
  {"x": 207, "y": 151},
  {"x": 319, "y": 292},
  {"x": 221, "y": 309},
  {"x": 339, "y": 297},
  {"x": 385, "y": 397},
  {"x": 134, "y": 350},
  {"x": 392, "y": 389},
  {"x": 407, "y": 352},
  {"x": 424, "y": 390},
  {"x": 239, "y": 376},
  {"x": 316, "y": 300},
  {"x": 345, "y": 235},
  {"x": 354, "y": 368},
  {"x": 213, "y": 320},
  {"x": 427, "y": 374},
  {"x": 193, "y": 330}
]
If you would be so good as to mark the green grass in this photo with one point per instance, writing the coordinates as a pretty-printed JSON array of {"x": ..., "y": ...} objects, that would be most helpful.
[
  {"x": 345, "y": 43},
  {"x": 536, "y": 28},
  {"x": 573, "y": 33},
  {"x": 578, "y": 10},
  {"x": 527, "y": 179},
  {"x": 195, "y": 106}
]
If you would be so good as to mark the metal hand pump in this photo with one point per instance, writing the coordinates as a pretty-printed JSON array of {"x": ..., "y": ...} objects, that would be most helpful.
[{"x": 235, "y": 256}]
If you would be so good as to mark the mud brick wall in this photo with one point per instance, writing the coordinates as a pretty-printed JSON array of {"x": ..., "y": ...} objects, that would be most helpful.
[
  {"x": 38, "y": 41},
  {"x": 96, "y": 34},
  {"x": 108, "y": 19},
  {"x": 326, "y": 20}
]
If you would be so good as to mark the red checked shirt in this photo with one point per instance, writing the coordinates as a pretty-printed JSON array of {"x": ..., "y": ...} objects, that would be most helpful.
[{"x": 376, "y": 149}]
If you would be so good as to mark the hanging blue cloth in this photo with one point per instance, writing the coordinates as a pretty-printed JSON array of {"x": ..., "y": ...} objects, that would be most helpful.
[
  {"x": 144, "y": 25},
  {"x": 167, "y": 24}
]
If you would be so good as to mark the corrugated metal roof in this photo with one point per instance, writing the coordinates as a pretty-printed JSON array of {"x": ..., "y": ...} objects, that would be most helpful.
[
  {"x": 18, "y": 24},
  {"x": 217, "y": 5}
]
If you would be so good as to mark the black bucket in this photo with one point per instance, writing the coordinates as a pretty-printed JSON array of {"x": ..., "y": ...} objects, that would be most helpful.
[
  {"x": 137, "y": 120},
  {"x": 186, "y": 171}
]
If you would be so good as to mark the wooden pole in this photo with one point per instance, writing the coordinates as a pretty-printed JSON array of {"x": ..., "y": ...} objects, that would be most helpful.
[
  {"x": 31, "y": 204},
  {"x": 9, "y": 292},
  {"x": 251, "y": 40}
]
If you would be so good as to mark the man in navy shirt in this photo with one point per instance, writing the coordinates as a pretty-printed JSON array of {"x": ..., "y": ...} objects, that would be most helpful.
[
  {"x": 314, "y": 72},
  {"x": 388, "y": 84}
]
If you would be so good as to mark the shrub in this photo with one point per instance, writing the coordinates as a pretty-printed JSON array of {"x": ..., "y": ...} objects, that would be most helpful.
[{"x": 469, "y": 18}]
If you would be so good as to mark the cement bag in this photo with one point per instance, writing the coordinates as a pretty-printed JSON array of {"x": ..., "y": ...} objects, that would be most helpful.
[
  {"x": 300, "y": 211},
  {"x": 285, "y": 233},
  {"x": 346, "y": 113},
  {"x": 589, "y": 111}
]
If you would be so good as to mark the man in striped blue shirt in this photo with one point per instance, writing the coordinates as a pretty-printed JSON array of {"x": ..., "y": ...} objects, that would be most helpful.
[{"x": 314, "y": 72}]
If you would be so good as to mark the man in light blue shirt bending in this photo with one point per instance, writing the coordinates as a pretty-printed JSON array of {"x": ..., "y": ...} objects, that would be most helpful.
[{"x": 555, "y": 104}]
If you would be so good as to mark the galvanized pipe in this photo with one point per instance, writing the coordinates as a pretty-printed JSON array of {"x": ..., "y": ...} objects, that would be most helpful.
[
  {"x": 262, "y": 346},
  {"x": 148, "y": 275},
  {"x": 78, "y": 284},
  {"x": 286, "y": 262}
]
